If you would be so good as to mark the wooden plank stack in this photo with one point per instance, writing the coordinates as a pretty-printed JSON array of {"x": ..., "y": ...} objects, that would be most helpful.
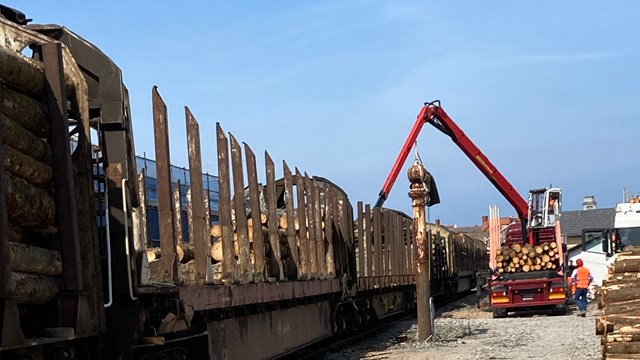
[
  {"x": 620, "y": 300},
  {"x": 526, "y": 258}
]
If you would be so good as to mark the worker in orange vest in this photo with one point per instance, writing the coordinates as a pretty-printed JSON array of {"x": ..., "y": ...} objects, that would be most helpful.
[{"x": 582, "y": 278}]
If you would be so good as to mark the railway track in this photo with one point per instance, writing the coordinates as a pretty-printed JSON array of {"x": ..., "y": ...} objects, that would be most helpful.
[{"x": 334, "y": 343}]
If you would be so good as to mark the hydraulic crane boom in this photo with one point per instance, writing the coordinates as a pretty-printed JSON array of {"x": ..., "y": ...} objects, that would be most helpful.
[{"x": 435, "y": 115}]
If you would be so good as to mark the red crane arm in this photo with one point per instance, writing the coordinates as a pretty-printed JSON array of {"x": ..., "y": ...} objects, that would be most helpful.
[{"x": 436, "y": 116}]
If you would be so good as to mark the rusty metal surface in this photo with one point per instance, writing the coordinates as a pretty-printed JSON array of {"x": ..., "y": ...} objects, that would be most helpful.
[
  {"x": 142, "y": 195},
  {"x": 199, "y": 231},
  {"x": 254, "y": 206},
  {"x": 274, "y": 237},
  {"x": 317, "y": 200},
  {"x": 177, "y": 213},
  {"x": 168, "y": 265},
  {"x": 331, "y": 256},
  {"x": 209, "y": 297},
  {"x": 74, "y": 306},
  {"x": 263, "y": 336},
  {"x": 302, "y": 219},
  {"x": 377, "y": 245},
  {"x": 361, "y": 241},
  {"x": 290, "y": 213},
  {"x": 341, "y": 255},
  {"x": 228, "y": 263},
  {"x": 311, "y": 228},
  {"x": 245, "y": 269}
]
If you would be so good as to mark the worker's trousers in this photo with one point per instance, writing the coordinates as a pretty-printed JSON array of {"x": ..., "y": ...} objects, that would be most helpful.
[{"x": 581, "y": 299}]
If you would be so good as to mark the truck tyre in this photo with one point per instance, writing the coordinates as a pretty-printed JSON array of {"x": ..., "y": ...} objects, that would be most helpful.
[{"x": 499, "y": 313}]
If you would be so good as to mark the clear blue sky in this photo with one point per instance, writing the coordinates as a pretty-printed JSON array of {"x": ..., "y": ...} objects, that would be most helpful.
[{"x": 548, "y": 90}]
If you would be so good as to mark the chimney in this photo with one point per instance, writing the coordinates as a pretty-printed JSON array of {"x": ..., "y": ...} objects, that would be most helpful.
[
  {"x": 589, "y": 203},
  {"x": 485, "y": 219},
  {"x": 437, "y": 221}
]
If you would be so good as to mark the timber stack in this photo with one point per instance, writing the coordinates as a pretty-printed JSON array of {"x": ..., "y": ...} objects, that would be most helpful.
[
  {"x": 526, "y": 258},
  {"x": 619, "y": 325},
  {"x": 34, "y": 258}
]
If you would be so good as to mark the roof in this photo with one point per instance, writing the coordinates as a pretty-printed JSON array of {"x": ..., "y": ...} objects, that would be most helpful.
[{"x": 573, "y": 222}]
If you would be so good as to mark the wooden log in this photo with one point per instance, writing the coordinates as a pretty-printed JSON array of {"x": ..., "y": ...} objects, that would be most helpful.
[
  {"x": 625, "y": 263},
  {"x": 25, "y": 167},
  {"x": 553, "y": 245},
  {"x": 499, "y": 258},
  {"x": 216, "y": 231},
  {"x": 33, "y": 288},
  {"x": 546, "y": 258},
  {"x": 545, "y": 247},
  {"x": 24, "y": 110},
  {"x": 216, "y": 251},
  {"x": 526, "y": 268},
  {"x": 29, "y": 205},
  {"x": 516, "y": 247},
  {"x": 23, "y": 140},
  {"x": 623, "y": 338},
  {"x": 537, "y": 267},
  {"x": 538, "y": 249},
  {"x": 153, "y": 254},
  {"x": 551, "y": 253},
  {"x": 282, "y": 221},
  {"x": 35, "y": 260},
  {"x": 623, "y": 348},
  {"x": 185, "y": 253},
  {"x": 27, "y": 75},
  {"x": 620, "y": 292}
]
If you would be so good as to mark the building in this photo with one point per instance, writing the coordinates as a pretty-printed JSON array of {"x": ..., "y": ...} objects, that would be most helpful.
[{"x": 178, "y": 175}]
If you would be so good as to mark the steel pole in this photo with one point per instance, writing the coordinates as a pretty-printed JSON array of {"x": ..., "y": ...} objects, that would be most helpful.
[{"x": 418, "y": 193}]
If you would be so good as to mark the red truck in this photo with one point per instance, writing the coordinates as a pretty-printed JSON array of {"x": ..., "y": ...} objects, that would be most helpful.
[{"x": 525, "y": 282}]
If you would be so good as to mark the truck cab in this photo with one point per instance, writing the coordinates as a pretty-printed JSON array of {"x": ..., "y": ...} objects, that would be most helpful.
[{"x": 626, "y": 229}]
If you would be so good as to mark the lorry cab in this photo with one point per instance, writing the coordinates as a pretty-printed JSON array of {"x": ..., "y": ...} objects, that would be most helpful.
[
  {"x": 544, "y": 207},
  {"x": 626, "y": 229}
]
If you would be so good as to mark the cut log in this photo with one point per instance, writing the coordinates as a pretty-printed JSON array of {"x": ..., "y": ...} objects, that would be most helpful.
[
  {"x": 21, "y": 73},
  {"x": 525, "y": 250},
  {"x": 553, "y": 245},
  {"x": 216, "y": 231},
  {"x": 29, "y": 205},
  {"x": 499, "y": 258},
  {"x": 185, "y": 253},
  {"x": 537, "y": 267},
  {"x": 33, "y": 288},
  {"x": 546, "y": 258},
  {"x": 153, "y": 254},
  {"x": 545, "y": 247},
  {"x": 282, "y": 221},
  {"x": 26, "y": 167},
  {"x": 625, "y": 263},
  {"x": 526, "y": 268},
  {"x": 551, "y": 253},
  {"x": 516, "y": 247},
  {"x": 24, "y": 110},
  {"x": 31, "y": 259},
  {"x": 216, "y": 251},
  {"x": 538, "y": 250},
  {"x": 26, "y": 75},
  {"x": 623, "y": 348},
  {"x": 21, "y": 139},
  {"x": 619, "y": 293}
]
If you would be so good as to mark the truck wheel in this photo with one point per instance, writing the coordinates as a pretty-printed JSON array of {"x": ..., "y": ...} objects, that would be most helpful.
[
  {"x": 562, "y": 310},
  {"x": 499, "y": 313}
]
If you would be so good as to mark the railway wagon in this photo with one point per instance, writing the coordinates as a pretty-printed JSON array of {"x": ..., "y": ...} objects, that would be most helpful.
[
  {"x": 387, "y": 266},
  {"x": 79, "y": 277}
]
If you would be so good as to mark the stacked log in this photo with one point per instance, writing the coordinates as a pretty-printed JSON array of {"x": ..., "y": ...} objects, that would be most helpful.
[
  {"x": 620, "y": 296},
  {"x": 34, "y": 259},
  {"x": 525, "y": 258},
  {"x": 283, "y": 223}
]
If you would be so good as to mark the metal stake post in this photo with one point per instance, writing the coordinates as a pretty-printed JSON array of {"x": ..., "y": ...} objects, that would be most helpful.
[{"x": 418, "y": 193}]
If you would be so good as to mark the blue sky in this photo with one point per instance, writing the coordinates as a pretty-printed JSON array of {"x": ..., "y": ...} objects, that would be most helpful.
[{"x": 547, "y": 90}]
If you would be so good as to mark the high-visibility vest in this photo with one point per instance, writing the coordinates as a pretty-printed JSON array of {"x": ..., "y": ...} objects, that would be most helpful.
[{"x": 582, "y": 277}]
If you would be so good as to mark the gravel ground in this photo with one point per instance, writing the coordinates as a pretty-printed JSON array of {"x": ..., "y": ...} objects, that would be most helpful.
[{"x": 467, "y": 333}]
